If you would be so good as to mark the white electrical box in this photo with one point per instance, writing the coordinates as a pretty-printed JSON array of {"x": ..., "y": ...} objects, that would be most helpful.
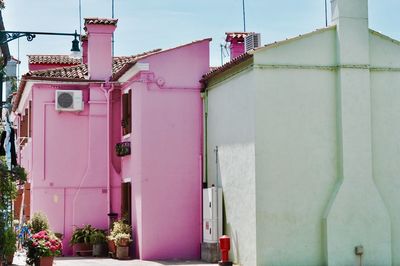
[{"x": 212, "y": 214}]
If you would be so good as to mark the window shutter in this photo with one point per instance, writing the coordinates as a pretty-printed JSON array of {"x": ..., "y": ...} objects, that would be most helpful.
[
  {"x": 124, "y": 113},
  {"x": 129, "y": 112}
]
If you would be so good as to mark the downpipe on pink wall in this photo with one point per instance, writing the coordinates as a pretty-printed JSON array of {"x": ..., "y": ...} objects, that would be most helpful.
[{"x": 107, "y": 94}]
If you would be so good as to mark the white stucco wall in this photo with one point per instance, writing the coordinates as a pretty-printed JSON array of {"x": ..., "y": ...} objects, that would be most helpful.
[
  {"x": 385, "y": 95},
  {"x": 312, "y": 49},
  {"x": 325, "y": 136},
  {"x": 296, "y": 158},
  {"x": 231, "y": 127},
  {"x": 295, "y": 163}
]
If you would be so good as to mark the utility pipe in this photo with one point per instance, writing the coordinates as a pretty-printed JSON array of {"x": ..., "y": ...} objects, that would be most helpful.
[{"x": 107, "y": 94}]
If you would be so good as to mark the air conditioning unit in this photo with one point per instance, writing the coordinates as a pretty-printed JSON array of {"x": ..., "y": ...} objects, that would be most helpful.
[
  {"x": 69, "y": 100},
  {"x": 252, "y": 41}
]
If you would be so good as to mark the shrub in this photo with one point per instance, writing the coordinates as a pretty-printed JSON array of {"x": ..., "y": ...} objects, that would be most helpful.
[
  {"x": 119, "y": 227},
  {"x": 38, "y": 223},
  {"x": 82, "y": 235},
  {"x": 98, "y": 237},
  {"x": 122, "y": 239},
  {"x": 10, "y": 242}
]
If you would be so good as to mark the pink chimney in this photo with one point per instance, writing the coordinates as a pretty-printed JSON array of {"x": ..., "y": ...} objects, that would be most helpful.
[
  {"x": 99, "y": 49},
  {"x": 84, "y": 40},
  {"x": 236, "y": 40}
]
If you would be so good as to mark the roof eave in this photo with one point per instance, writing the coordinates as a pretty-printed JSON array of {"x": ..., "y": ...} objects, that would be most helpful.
[{"x": 220, "y": 70}]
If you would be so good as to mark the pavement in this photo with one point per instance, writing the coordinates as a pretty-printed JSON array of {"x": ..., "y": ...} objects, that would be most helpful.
[{"x": 19, "y": 260}]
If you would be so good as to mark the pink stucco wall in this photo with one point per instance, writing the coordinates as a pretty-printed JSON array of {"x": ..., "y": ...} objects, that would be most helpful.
[
  {"x": 166, "y": 150},
  {"x": 237, "y": 48},
  {"x": 70, "y": 165},
  {"x": 68, "y": 175}
]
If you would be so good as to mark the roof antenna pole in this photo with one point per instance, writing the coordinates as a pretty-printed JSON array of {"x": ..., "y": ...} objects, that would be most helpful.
[
  {"x": 80, "y": 17},
  {"x": 244, "y": 17},
  {"x": 112, "y": 15},
  {"x": 19, "y": 63},
  {"x": 326, "y": 14},
  {"x": 222, "y": 58}
]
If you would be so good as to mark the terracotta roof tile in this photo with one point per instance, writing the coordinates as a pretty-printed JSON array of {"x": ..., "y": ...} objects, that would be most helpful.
[
  {"x": 120, "y": 62},
  {"x": 216, "y": 70},
  {"x": 80, "y": 71},
  {"x": 101, "y": 21},
  {"x": 236, "y": 35},
  {"x": 74, "y": 72},
  {"x": 53, "y": 60}
]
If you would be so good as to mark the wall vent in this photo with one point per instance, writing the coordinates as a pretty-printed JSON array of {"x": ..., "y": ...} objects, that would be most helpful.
[{"x": 69, "y": 100}]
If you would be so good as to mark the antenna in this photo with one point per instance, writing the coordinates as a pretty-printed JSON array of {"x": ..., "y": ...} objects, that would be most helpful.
[
  {"x": 222, "y": 54},
  {"x": 112, "y": 15},
  {"x": 244, "y": 17},
  {"x": 80, "y": 17},
  {"x": 18, "y": 73},
  {"x": 326, "y": 14},
  {"x": 222, "y": 46}
]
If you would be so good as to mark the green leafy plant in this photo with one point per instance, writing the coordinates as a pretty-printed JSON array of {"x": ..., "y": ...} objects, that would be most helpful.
[
  {"x": 82, "y": 235},
  {"x": 123, "y": 148},
  {"x": 38, "y": 223},
  {"x": 98, "y": 237},
  {"x": 10, "y": 242},
  {"x": 9, "y": 181}
]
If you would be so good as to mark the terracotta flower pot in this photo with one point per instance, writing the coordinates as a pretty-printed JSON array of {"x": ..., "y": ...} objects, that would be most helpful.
[
  {"x": 122, "y": 253},
  {"x": 10, "y": 259},
  {"x": 83, "y": 249},
  {"x": 46, "y": 261},
  {"x": 111, "y": 246},
  {"x": 124, "y": 242}
]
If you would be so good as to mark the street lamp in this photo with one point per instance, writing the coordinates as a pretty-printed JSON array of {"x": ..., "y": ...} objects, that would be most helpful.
[
  {"x": 8, "y": 36},
  {"x": 75, "y": 52}
]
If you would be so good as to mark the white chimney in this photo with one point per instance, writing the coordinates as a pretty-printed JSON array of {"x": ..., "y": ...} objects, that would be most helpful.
[{"x": 351, "y": 18}]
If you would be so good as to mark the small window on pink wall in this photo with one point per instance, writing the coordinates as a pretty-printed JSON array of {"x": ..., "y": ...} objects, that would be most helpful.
[{"x": 127, "y": 113}]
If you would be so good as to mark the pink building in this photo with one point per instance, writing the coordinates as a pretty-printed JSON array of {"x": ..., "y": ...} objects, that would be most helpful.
[{"x": 71, "y": 156}]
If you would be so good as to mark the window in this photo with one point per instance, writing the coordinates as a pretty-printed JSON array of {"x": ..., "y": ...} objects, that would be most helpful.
[
  {"x": 25, "y": 126},
  {"x": 127, "y": 113}
]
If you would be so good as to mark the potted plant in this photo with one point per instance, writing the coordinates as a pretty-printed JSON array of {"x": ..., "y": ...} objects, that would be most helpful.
[
  {"x": 9, "y": 181},
  {"x": 10, "y": 245},
  {"x": 120, "y": 234},
  {"x": 123, "y": 148},
  {"x": 122, "y": 241},
  {"x": 98, "y": 240},
  {"x": 42, "y": 247},
  {"x": 38, "y": 223},
  {"x": 81, "y": 240}
]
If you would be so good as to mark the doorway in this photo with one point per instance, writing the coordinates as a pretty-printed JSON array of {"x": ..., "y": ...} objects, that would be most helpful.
[{"x": 126, "y": 202}]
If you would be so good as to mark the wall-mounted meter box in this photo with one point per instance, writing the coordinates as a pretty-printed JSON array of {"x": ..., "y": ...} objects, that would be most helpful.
[{"x": 212, "y": 214}]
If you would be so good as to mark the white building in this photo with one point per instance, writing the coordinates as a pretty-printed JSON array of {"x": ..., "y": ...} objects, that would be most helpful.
[
  {"x": 308, "y": 137},
  {"x": 11, "y": 74}
]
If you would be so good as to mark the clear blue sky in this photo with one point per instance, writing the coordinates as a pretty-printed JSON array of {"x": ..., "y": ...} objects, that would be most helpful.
[{"x": 147, "y": 24}]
